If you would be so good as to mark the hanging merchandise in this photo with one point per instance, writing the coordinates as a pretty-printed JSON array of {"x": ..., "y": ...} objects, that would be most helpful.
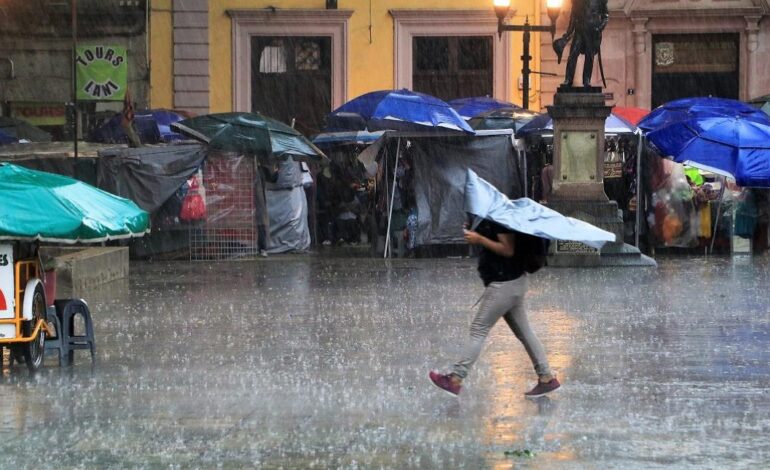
[
  {"x": 704, "y": 216},
  {"x": 194, "y": 202},
  {"x": 672, "y": 218}
]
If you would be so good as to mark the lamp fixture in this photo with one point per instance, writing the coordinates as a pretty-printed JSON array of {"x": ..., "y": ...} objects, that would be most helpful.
[{"x": 502, "y": 8}]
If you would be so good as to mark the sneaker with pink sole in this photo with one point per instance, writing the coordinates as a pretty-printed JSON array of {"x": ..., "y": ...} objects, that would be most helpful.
[
  {"x": 542, "y": 389},
  {"x": 445, "y": 383}
]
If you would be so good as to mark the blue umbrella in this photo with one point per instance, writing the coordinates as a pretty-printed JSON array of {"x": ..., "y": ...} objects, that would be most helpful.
[
  {"x": 7, "y": 139},
  {"x": 471, "y": 107},
  {"x": 152, "y": 126},
  {"x": 685, "y": 109},
  {"x": 543, "y": 124},
  {"x": 402, "y": 110},
  {"x": 525, "y": 215},
  {"x": 726, "y": 137}
]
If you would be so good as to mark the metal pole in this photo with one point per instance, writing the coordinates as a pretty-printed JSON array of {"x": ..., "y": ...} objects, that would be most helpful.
[
  {"x": 525, "y": 69},
  {"x": 639, "y": 205},
  {"x": 74, "y": 19},
  {"x": 719, "y": 212},
  {"x": 392, "y": 196},
  {"x": 523, "y": 157}
]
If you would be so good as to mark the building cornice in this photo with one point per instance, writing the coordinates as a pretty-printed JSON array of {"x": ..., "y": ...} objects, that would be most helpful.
[
  {"x": 449, "y": 16},
  {"x": 701, "y": 13},
  {"x": 297, "y": 15}
]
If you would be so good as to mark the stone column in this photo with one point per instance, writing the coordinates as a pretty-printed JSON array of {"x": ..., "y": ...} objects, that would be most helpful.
[
  {"x": 752, "y": 44},
  {"x": 578, "y": 145},
  {"x": 191, "y": 55},
  {"x": 642, "y": 63}
]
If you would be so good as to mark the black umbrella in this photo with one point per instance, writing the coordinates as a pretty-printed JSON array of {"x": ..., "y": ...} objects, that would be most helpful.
[
  {"x": 22, "y": 130},
  {"x": 502, "y": 118}
]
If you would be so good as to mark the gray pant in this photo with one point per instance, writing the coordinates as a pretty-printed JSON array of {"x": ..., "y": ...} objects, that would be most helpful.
[{"x": 503, "y": 299}]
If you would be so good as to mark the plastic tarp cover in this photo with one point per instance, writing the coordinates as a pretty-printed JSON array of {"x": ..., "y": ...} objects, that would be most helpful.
[
  {"x": 440, "y": 166},
  {"x": 288, "y": 212},
  {"x": 148, "y": 176},
  {"x": 289, "y": 175}
]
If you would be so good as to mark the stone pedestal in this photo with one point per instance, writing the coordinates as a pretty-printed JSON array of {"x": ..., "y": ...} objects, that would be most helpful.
[{"x": 579, "y": 116}]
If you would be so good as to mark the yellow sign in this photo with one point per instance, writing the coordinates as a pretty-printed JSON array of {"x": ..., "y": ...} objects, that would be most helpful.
[{"x": 40, "y": 114}]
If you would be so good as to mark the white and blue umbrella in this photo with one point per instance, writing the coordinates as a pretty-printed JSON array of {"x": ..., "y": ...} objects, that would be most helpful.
[
  {"x": 333, "y": 139},
  {"x": 525, "y": 215}
]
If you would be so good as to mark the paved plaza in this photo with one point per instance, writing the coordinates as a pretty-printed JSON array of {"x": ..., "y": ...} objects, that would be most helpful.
[{"x": 321, "y": 362}]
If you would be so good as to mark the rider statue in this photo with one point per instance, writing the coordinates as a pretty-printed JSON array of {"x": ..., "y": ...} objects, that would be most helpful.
[{"x": 586, "y": 23}]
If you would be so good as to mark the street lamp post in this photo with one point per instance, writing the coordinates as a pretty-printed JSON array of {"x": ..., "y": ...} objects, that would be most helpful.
[{"x": 502, "y": 7}]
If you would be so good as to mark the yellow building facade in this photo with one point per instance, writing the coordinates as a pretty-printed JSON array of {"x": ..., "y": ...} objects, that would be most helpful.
[{"x": 205, "y": 55}]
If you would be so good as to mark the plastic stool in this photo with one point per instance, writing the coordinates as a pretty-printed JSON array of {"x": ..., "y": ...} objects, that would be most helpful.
[
  {"x": 57, "y": 342},
  {"x": 67, "y": 310}
]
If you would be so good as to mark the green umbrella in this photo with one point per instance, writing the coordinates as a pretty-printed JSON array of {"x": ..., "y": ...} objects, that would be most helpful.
[
  {"x": 249, "y": 133},
  {"x": 35, "y": 205}
]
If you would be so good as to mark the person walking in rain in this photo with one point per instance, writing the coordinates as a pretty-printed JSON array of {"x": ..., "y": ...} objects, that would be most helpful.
[{"x": 504, "y": 274}]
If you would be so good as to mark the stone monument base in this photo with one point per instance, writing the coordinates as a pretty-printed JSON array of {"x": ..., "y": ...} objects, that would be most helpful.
[
  {"x": 606, "y": 216},
  {"x": 579, "y": 115}
]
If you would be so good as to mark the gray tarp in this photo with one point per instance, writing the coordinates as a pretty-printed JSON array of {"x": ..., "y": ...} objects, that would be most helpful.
[
  {"x": 148, "y": 175},
  {"x": 289, "y": 175},
  {"x": 287, "y": 208},
  {"x": 288, "y": 220},
  {"x": 440, "y": 166}
]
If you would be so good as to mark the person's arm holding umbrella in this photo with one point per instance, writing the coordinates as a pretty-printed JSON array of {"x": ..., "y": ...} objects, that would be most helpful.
[{"x": 503, "y": 246}]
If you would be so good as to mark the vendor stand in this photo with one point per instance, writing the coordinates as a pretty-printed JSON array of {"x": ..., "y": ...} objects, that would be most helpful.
[
  {"x": 43, "y": 207},
  {"x": 720, "y": 136}
]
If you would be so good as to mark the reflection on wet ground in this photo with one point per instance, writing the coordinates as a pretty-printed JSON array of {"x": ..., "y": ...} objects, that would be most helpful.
[{"x": 302, "y": 362}]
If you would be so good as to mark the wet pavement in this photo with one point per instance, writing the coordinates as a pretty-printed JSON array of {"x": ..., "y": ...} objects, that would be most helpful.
[{"x": 319, "y": 362}]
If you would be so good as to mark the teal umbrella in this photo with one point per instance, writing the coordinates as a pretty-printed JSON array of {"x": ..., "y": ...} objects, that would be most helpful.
[
  {"x": 35, "y": 205},
  {"x": 249, "y": 133}
]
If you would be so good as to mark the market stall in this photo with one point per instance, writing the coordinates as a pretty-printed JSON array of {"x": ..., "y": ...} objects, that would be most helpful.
[{"x": 420, "y": 181}]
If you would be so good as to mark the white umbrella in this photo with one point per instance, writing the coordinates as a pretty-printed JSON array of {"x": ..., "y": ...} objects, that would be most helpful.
[{"x": 527, "y": 216}]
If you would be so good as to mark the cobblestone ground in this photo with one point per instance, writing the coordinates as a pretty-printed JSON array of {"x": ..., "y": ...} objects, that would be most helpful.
[{"x": 312, "y": 361}]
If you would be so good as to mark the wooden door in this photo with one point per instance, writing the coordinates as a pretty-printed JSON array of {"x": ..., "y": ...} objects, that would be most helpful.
[{"x": 291, "y": 79}]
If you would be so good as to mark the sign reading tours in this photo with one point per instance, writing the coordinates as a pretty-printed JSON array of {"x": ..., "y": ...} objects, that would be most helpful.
[
  {"x": 40, "y": 114},
  {"x": 102, "y": 73}
]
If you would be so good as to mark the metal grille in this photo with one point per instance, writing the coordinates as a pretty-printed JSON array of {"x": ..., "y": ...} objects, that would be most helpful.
[{"x": 230, "y": 229}]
